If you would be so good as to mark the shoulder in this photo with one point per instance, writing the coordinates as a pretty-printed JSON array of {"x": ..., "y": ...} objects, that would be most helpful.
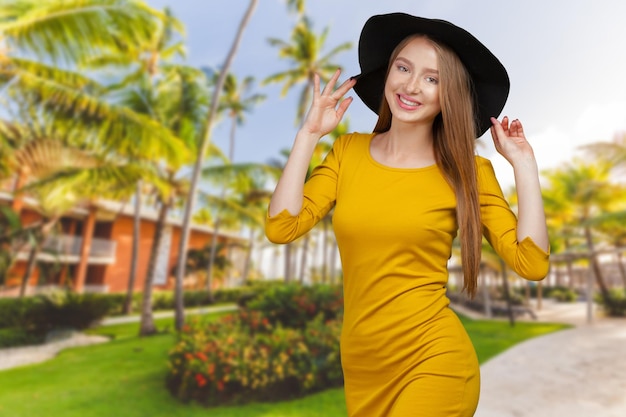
[
  {"x": 352, "y": 141},
  {"x": 355, "y": 137},
  {"x": 486, "y": 176},
  {"x": 482, "y": 162}
]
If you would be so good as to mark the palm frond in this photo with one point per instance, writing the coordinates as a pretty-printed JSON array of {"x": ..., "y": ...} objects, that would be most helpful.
[
  {"x": 233, "y": 207},
  {"x": 73, "y": 29},
  {"x": 116, "y": 128},
  {"x": 220, "y": 173},
  {"x": 60, "y": 76}
]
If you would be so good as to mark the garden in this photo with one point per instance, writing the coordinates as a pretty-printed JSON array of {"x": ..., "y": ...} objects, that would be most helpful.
[{"x": 276, "y": 356}]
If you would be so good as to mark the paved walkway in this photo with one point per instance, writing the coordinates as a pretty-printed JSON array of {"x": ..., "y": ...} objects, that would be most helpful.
[
  {"x": 579, "y": 372},
  {"x": 20, "y": 356}
]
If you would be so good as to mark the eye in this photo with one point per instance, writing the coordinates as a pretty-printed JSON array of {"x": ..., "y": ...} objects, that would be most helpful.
[
  {"x": 432, "y": 80},
  {"x": 402, "y": 68}
]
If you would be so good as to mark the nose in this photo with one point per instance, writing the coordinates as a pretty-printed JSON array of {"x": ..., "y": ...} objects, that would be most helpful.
[{"x": 413, "y": 84}]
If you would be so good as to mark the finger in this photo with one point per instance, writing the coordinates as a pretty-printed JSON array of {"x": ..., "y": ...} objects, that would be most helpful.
[
  {"x": 330, "y": 86},
  {"x": 505, "y": 123},
  {"x": 345, "y": 87},
  {"x": 343, "y": 106},
  {"x": 494, "y": 136},
  {"x": 519, "y": 129},
  {"x": 497, "y": 128},
  {"x": 316, "y": 85}
]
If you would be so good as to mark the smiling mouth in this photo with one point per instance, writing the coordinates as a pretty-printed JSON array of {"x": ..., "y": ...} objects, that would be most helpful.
[{"x": 408, "y": 102}]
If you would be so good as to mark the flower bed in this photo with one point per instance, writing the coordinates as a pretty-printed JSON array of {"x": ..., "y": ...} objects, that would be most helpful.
[{"x": 261, "y": 355}]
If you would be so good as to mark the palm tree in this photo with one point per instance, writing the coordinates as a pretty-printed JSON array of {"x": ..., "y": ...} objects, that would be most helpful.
[
  {"x": 180, "y": 97},
  {"x": 139, "y": 92},
  {"x": 586, "y": 189},
  {"x": 68, "y": 31},
  {"x": 13, "y": 237},
  {"x": 41, "y": 44},
  {"x": 613, "y": 230},
  {"x": 245, "y": 205},
  {"x": 203, "y": 145},
  {"x": 235, "y": 103},
  {"x": 304, "y": 50},
  {"x": 77, "y": 103},
  {"x": 62, "y": 176}
]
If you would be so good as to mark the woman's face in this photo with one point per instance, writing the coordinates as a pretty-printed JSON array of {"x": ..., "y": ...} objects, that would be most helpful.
[{"x": 412, "y": 86}]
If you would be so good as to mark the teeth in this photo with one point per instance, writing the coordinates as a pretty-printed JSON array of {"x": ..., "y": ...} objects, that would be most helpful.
[{"x": 407, "y": 102}]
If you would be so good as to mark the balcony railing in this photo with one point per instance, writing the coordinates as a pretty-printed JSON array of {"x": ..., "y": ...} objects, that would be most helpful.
[{"x": 66, "y": 249}]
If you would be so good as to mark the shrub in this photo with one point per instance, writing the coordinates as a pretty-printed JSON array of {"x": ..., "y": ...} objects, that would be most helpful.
[
  {"x": 70, "y": 310},
  {"x": 27, "y": 320},
  {"x": 294, "y": 305},
  {"x": 10, "y": 337},
  {"x": 617, "y": 305},
  {"x": 244, "y": 358},
  {"x": 564, "y": 295},
  {"x": 16, "y": 312}
]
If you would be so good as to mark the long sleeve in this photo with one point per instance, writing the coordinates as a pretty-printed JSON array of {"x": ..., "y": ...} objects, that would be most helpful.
[
  {"x": 500, "y": 228},
  {"x": 320, "y": 193}
]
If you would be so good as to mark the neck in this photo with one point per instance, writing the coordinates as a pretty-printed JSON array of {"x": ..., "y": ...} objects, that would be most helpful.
[
  {"x": 404, "y": 146},
  {"x": 404, "y": 138}
]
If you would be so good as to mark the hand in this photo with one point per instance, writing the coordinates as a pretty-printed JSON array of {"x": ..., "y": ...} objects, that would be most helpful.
[
  {"x": 510, "y": 141},
  {"x": 324, "y": 115}
]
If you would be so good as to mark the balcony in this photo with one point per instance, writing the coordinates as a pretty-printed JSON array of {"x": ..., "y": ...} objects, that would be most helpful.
[{"x": 66, "y": 249}]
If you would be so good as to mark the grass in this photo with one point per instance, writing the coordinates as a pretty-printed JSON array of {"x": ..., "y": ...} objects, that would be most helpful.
[{"x": 126, "y": 377}]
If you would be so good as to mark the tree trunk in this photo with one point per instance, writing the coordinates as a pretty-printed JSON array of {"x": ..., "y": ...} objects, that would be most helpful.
[
  {"x": 570, "y": 266},
  {"x": 134, "y": 260},
  {"x": 147, "y": 320},
  {"x": 248, "y": 261},
  {"x": 87, "y": 236},
  {"x": 288, "y": 248},
  {"x": 622, "y": 270},
  {"x": 486, "y": 296},
  {"x": 597, "y": 271},
  {"x": 325, "y": 266},
  {"x": 303, "y": 259},
  {"x": 46, "y": 227},
  {"x": 212, "y": 255},
  {"x": 507, "y": 295},
  {"x": 30, "y": 267},
  {"x": 333, "y": 261},
  {"x": 195, "y": 176}
]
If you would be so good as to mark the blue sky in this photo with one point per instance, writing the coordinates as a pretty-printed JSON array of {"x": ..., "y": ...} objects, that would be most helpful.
[{"x": 566, "y": 60}]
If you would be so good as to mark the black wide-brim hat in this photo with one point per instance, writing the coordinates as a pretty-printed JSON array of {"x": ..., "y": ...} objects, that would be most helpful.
[{"x": 382, "y": 33}]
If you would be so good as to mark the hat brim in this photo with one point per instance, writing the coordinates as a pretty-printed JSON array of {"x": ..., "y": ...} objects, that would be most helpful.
[{"x": 382, "y": 33}]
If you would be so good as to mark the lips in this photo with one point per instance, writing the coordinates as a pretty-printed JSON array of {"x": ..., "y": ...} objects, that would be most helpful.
[{"x": 405, "y": 102}]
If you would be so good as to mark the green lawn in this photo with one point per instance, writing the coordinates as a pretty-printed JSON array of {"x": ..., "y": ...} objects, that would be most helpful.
[{"x": 125, "y": 377}]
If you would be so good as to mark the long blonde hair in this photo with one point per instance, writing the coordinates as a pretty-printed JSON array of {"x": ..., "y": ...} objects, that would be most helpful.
[{"x": 454, "y": 133}]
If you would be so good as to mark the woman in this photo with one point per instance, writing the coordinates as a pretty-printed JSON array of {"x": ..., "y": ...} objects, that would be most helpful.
[{"x": 400, "y": 195}]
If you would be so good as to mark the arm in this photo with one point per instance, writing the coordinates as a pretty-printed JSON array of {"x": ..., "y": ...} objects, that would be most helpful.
[
  {"x": 511, "y": 143},
  {"x": 324, "y": 115}
]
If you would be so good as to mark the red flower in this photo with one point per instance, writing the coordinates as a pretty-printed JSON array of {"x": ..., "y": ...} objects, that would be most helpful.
[
  {"x": 202, "y": 356},
  {"x": 201, "y": 380}
]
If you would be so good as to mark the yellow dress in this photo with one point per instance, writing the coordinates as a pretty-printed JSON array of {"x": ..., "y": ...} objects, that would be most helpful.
[{"x": 403, "y": 351}]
